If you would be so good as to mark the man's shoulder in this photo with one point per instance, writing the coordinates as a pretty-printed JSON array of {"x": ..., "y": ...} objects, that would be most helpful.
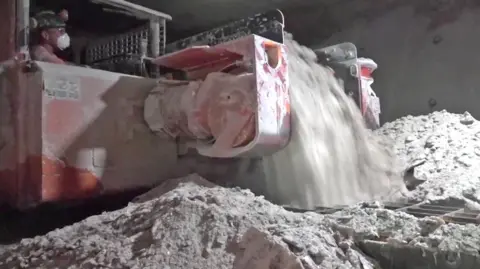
[
  {"x": 39, "y": 48},
  {"x": 39, "y": 52}
]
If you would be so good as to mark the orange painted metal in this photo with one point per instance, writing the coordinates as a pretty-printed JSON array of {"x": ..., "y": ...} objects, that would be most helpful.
[
  {"x": 42, "y": 134},
  {"x": 62, "y": 181},
  {"x": 251, "y": 119},
  {"x": 69, "y": 133},
  {"x": 46, "y": 180},
  {"x": 27, "y": 176}
]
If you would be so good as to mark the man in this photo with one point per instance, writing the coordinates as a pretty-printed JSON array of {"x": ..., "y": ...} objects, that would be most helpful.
[{"x": 49, "y": 36}]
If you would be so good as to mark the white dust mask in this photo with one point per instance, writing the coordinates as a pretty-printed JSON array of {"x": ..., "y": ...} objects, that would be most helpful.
[{"x": 63, "y": 41}]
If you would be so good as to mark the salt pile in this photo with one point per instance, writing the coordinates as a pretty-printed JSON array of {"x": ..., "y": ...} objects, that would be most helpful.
[
  {"x": 189, "y": 227},
  {"x": 204, "y": 227},
  {"x": 447, "y": 148},
  {"x": 331, "y": 159}
]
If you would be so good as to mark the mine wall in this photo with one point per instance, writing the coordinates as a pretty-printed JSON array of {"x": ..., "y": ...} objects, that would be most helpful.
[{"x": 427, "y": 57}]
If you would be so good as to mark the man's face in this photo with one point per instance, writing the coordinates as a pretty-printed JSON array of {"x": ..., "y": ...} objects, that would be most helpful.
[{"x": 50, "y": 36}]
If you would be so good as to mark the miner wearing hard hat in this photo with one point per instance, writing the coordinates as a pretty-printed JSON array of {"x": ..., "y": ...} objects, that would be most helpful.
[{"x": 49, "y": 36}]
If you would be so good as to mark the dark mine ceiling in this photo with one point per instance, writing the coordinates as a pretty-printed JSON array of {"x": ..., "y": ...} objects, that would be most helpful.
[
  {"x": 310, "y": 21},
  {"x": 193, "y": 16}
]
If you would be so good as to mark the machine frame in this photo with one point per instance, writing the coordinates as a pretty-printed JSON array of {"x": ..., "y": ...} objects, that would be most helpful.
[{"x": 72, "y": 133}]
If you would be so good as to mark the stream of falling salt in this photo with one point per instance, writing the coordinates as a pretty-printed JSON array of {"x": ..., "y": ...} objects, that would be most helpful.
[{"x": 332, "y": 159}]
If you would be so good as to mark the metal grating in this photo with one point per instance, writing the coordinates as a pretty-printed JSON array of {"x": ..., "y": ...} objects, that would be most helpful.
[
  {"x": 450, "y": 213},
  {"x": 107, "y": 53}
]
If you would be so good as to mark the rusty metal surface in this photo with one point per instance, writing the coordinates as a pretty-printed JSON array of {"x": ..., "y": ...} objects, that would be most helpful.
[
  {"x": 8, "y": 138},
  {"x": 15, "y": 115},
  {"x": 196, "y": 57},
  {"x": 19, "y": 117},
  {"x": 75, "y": 132},
  {"x": 252, "y": 56},
  {"x": 7, "y": 29},
  {"x": 203, "y": 110},
  {"x": 100, "y": 127}
]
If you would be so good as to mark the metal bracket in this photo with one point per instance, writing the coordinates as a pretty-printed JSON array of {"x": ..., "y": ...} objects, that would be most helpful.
[
  {"x": 342, "y": 58},
  {"x": 339, "y": 53}
]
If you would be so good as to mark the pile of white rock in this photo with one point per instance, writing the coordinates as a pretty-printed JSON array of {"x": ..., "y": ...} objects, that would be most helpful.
[
  {"x": 445, "y": 150},
  {"x": 202, "y": 227}
]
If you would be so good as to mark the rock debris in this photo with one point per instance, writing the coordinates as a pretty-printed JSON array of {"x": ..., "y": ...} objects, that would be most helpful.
[
  {"x": 446, "y": 147},
  {"x": 201, "y": 227}
]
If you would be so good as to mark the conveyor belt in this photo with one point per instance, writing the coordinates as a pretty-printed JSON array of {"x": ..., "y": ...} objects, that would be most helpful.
[{"x": 451, "y": 214}]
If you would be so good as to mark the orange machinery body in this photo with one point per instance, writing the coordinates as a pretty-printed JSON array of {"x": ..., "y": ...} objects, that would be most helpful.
[{"x": 71, "y": 133}]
